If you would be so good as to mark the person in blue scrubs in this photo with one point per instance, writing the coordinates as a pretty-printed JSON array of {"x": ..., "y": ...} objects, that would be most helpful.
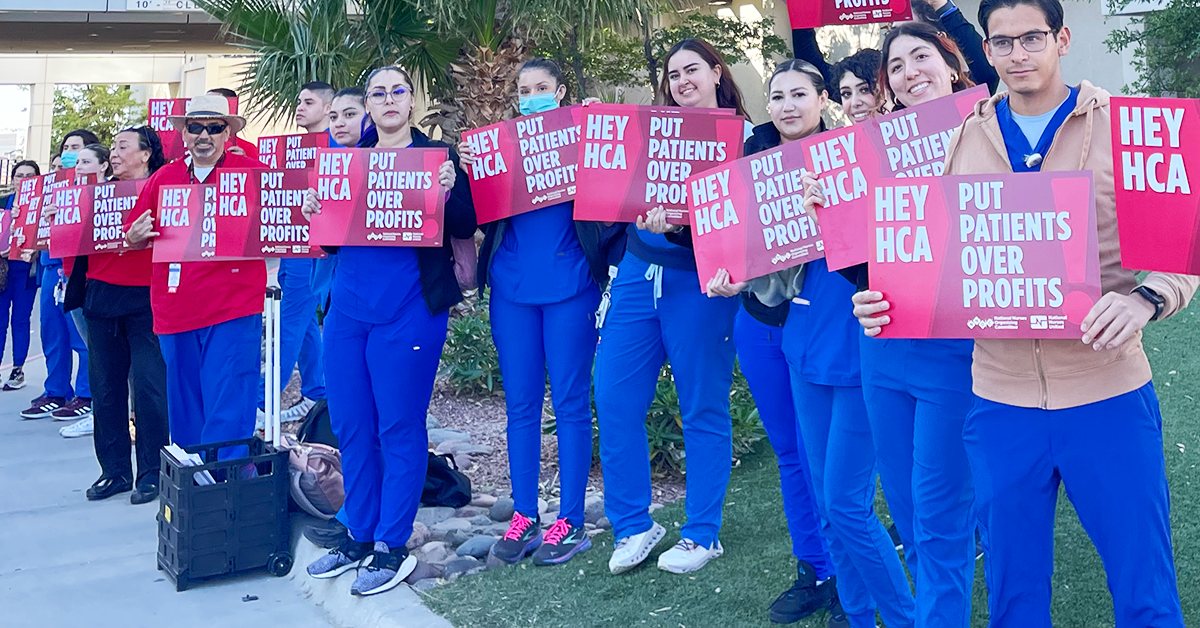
[
  {"x": 20, "y": 290},
  {"x": 918, "y": 392},
  {"x": 383, "y": 339},
  {"x": 545, "y": 271},
  {"x": 657, "y": 312}
]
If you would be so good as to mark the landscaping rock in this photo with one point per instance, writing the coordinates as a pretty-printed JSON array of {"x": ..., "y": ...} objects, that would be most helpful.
[
  {"x": 593, "y": 509},
  {"x": 554, "y": 504},
  {"x": 477, "y": 547},
  {"x": 480, "y": 520},
  {"x": 454, "y": 538},
  {"x": 589, "y": 526},
  {"x": 466, "y": 512},
  {"x": 543, "y": 505},
  {"x": 424, "y": 584},
  {"x": 502, "y": 510},
  {"x": 496, "y": 529},
  {"x": 422, "y": 571},
  {"x": 431, "y": 423},
  {"x": 464, "y": 447},
  {"x": 436, "y": 552},
  {"x": 655, "y": 508},
  {"x": 548, "y": 518},
  {"x": 448, "y": 525},
  {"x": 420, "y": 536},
  {"x": 462, "y": 565},
  {"x": 431, "y": 516},
  {"x": 439, "y": 435},
  {"x": 463, "y": 462},
  {"x": 604, "y": 524},
  {"x": 483, "y": 501}
]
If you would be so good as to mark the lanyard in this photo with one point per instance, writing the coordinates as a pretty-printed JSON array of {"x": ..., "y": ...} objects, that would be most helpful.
[{"x": 1022, "y": 156}]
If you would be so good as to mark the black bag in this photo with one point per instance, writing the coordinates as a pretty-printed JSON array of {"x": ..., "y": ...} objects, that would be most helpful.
[
  {"x": 316, "y": 427},
  {"x": 445, "y": 485}
]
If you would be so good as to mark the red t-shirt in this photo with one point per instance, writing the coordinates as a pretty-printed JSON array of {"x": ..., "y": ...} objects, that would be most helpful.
[{"x": 209, "y": 293}]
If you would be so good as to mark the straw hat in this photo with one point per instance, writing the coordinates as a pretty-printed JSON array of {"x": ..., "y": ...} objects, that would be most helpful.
[{"x": 208, "y": 107}]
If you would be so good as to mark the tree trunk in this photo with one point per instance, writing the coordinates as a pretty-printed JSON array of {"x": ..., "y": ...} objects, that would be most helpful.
[
  {"x": 651, "y": 62},
  {"x": 577, "y": 64}
]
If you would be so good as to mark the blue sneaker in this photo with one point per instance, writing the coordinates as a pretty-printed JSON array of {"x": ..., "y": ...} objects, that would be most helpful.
[{"x": 523, "y": 537}]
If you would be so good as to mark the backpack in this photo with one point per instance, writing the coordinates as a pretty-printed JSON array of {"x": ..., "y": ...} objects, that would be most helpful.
[
  {"x": 316, "y": 477},
  {"x": 315, "y": 427},
  {"x": 445, "y": 485}
]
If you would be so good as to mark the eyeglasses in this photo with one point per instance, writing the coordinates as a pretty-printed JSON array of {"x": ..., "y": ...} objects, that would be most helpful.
[
  {"x": 1033, "y": 41},
  {"x": 379, "y": 96},
  {"x": 213, "y": 128}
]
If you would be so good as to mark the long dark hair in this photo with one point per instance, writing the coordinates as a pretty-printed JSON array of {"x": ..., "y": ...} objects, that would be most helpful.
[
  {"x": 102, "y": 153},
  {"x": 728, "y": 94},
  {"x": 940, "y": 41},
  {"x": 549, "y": 67},
  {"x": 148, "y": 140}
]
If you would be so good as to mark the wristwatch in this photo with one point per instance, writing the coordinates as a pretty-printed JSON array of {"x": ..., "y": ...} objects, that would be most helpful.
[{"x": 1154, "y": 298}]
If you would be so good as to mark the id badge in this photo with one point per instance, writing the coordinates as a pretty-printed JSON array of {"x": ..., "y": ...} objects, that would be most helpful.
[
  {"x": 173, "y": 272},
  {"x": 60, "y": 292}
]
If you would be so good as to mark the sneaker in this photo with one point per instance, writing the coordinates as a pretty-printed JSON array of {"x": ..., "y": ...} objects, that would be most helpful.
[
  {"x": 387, "y": 570},
  {"x": 630, "y": 551},
  {"x": 804, "y": 598},
  {"x": 79, "y": 408},
  {"x": 688, "y": 556},
  {"x": 327, "y": 535},
  {"x": 522, "y": 538},
  {"x": 298, "y": 411},
  {"x": 16, "y": 379},
  {"x": 978, "y": 546},
  {"x": 43, "y": 407},
  {"x": 77, "y": 429},
  {"x": 349, "y": 555},
  {"x": 837, "y": 616},
  {"x": 560, "y": 543},
  {"x": 895, "y": 534}
]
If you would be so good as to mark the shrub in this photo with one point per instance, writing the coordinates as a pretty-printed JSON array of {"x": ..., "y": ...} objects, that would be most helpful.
[{"x": 469, "y": 361}]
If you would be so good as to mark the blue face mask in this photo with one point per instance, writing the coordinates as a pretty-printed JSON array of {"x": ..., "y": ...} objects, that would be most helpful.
[
  {"x": 540, "y": 103},
  {"x": 69, "y": 159}
]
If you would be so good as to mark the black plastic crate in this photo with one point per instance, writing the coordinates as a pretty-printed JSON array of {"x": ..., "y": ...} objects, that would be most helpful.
[{"x": 237, "y": 524}]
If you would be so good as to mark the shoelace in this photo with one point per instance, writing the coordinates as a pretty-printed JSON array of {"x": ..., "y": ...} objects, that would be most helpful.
[
  {"x": 687, "y": 545},
  {"x": 517, "y": 528},
  {"x": 557, "y": 532}
]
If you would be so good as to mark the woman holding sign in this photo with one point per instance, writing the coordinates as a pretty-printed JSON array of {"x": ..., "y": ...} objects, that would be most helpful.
[
  {"x": 658, "y": 312},
  {"x": 918, "y": 392},
  {"x": 20, "y": 289},
  {"x": 545, "y": 271},
  {"x": 383, "y": 340}
]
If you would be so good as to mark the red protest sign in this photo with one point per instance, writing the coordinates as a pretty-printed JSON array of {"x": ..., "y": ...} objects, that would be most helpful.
[
  {"x": 378, "y": 197},
  {"x": 748, "y": 216},
  {"x": 26, "y": 193},
  {"x": 995, "y": 256},
  {"x": 907, "y": 143},
  {"x": 1158, "y": 217},
  {"x": 258, "y": 214},
  {"x": 635, "y": 158},
  {"x": 524, "y": 163},
  {"x": 814, "y": 13},
  {"x": 30, "y": 230},
  {"x": 187, "y": 224},
  {"x": 159, "y": 112},
  {"x": 99, "y": 224},
  {"x": 292, "y": 152},
  {"x": 54, "y": 193}
]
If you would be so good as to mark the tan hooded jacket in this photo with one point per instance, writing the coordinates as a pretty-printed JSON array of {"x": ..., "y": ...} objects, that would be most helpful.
[{"x": 1056, "y": 374}]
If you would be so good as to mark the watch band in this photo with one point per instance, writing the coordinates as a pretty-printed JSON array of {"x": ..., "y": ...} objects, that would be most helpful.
[{"x": 1154, "y": 298}]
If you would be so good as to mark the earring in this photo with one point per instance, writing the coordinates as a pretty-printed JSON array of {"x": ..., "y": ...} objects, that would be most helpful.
[{"x": 954, "y": 77}]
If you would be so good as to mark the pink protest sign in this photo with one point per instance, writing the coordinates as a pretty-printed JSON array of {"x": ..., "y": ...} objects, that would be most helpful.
[{"x": 994, "y": 256}]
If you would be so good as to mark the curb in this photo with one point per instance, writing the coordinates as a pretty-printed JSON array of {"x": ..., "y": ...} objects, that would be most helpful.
[{"x": 399, "y": 608}]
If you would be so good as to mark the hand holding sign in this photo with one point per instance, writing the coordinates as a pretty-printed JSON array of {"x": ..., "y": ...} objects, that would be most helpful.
[
  {"x": 141, "y": 230},
  {"x": 869, "y": 308},
  {"x": 1115, "y": 319}
]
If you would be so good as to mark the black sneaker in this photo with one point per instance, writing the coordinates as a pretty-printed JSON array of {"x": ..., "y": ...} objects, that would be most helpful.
[
  {"x": 837, "y": 616},
  {"x": 349, "y": 555},
  {"x": 43, "y": 407},
  {"x": 387, "y": 569},
  {"x": 523, "y": 537},
  {"x": 803, "y": 599},
  {"x": 16, "y": 379},
  {"x": 327, "y": 535},
  {"x": 895, "y": 534},
  {"x": 107, "y": 487},
  {"x": 560, "y": 543}
]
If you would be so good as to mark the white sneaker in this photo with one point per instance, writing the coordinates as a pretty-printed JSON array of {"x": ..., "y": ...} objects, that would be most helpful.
[
  {"x": 78, "y": 429},
  {"x": 688, "y": 556},
  {"x": 298, "y": 411},
  {"x": 630, "y": 551}
]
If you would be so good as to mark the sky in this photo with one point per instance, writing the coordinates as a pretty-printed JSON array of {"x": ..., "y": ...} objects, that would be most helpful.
[{"x": 14, "y": 108}]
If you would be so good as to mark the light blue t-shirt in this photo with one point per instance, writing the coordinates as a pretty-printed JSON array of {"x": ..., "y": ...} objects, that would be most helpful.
[{"x": 1034, "y": 126}]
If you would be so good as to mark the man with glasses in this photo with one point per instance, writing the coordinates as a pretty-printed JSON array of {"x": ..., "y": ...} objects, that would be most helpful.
[
  {"x": 1077, "y": 412},
  {"x": 207, "y": 315}
]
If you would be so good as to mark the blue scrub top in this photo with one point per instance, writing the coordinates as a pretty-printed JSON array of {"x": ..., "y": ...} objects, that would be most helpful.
[
  {"x": 540, "y": 260},
  {"x": 822, "y": 336},
  {"x": 375, "y": 284}
]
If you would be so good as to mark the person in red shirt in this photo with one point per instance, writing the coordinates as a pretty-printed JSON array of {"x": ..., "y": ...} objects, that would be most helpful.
[{"x": 208, "y": 315}]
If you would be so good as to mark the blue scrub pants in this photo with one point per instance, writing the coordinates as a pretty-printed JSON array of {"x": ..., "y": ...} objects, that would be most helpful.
[
  {"x": 1109, "y": 455},
  {"x": 379, "y": 391},
  {"x": 695, "y": 334},
  {"x": 299, "y": 333},
  {"x": 18, "y": 296},
  {"x": 918, "y": 393},
  {"x": 211, "y": 374},
  {"x": 760, "y": 355},
  {"x": 531, "y": 340},
  {"x": 59, "y": 339}
]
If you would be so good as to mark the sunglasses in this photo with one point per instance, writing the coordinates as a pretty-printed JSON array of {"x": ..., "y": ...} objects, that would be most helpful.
[{"x": 213, "y": 128}]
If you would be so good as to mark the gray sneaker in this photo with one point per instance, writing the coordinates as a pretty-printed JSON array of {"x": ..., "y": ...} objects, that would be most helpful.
[
  {"x": 16, "y": 379},
  {"x": 349, "y": 555},
  {"x": 387, "y": 570}
]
